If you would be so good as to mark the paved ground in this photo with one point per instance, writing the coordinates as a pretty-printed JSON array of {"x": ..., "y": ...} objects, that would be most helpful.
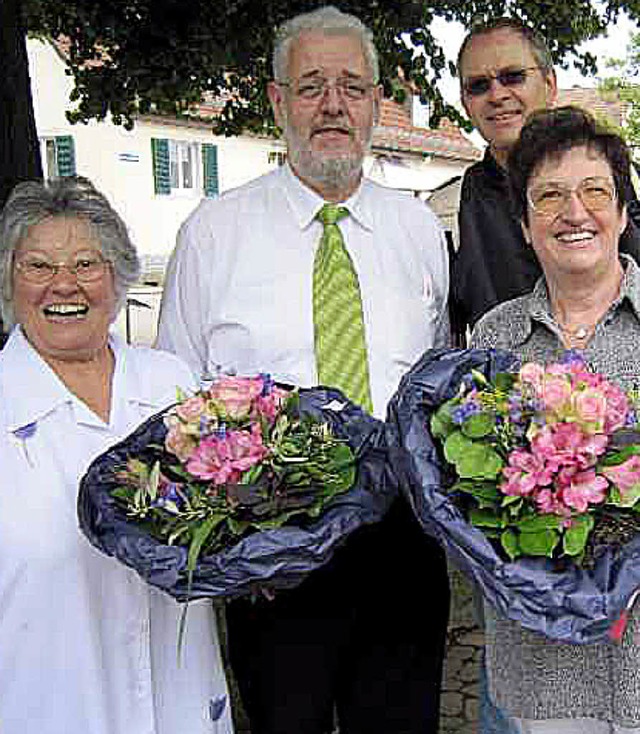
[{"x": 460, "y": 702}]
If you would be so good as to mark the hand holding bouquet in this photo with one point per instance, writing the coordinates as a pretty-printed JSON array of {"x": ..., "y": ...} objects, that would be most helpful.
[{"x": 238, "y": 487}]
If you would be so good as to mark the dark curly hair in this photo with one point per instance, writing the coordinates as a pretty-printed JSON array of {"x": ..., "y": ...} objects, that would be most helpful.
[{"x": 550, "y": 134}]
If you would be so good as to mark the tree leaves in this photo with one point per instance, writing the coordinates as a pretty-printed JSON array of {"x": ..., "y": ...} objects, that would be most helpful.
[{"x": 164, "y": 55}]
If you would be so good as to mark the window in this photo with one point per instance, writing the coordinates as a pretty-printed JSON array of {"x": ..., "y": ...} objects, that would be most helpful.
[
  {"x": 58, "y": 156},
  {"x": 184, "y": 168},
  {"x": 419, "y": 112},
  {"x": 277, "y": 156}
]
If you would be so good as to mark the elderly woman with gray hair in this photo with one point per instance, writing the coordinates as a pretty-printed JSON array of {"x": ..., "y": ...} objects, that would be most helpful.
[{"x": 85, "y": 646}]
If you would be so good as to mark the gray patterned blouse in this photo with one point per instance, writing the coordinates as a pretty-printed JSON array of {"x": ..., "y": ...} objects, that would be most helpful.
[{"x": 531, "y": 676}]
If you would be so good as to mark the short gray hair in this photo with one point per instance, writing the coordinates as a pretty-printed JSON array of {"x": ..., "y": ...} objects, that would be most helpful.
[
  {"x": 31, "y": 202},
  {"x": 327, "y": 19}
]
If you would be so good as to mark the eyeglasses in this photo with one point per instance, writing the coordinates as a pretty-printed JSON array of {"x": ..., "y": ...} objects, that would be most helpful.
[
  {"x": 314, "y": 87},
  {"x": 476, "y": 86},
  {"x": 38, "y": 270},
  {"x": 549, "y": 200}
]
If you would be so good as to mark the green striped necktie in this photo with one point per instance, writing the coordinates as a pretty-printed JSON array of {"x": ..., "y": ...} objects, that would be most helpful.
[{"x": 339, "y": 333}]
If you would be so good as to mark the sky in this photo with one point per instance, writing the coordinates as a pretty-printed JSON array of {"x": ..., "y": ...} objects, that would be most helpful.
[{"x": 612, "y": 46}]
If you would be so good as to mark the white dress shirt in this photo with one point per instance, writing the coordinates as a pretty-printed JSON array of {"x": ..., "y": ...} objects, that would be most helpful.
[
  {"x": 238, "y": 294},
  {"x": 86, "y": 647}
]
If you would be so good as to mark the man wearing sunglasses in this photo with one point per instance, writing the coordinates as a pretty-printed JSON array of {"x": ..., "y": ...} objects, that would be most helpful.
[{"x": 506, "y": 73}]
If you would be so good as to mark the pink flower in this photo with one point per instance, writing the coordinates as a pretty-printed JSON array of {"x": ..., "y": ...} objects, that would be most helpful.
[
  {"x": 532, "y": 373},
  {"x": 191, "y": 409},
  {"x": 179, "y": 442},
  {"x": 617, "y": 408},
  {"x": 624, "y": 476},
  {"x": 234, "y": 396},
  {"x": 269, "y": 405},
  {"x": 591, "y": 407},
  {"x": 585, "y": 488},
  {"x": 524, "y": 473},
  {"x": 556, "y": 392},
  {"x": 224, "y": 459},
  {"x": 548, "y": 503}
]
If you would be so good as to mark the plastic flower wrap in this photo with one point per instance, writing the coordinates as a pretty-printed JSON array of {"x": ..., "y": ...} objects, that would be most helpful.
[
  {"x": 529, "y": 475},
  {"x": 240, "y": 485},
  {"x": 537, "y": 452}
]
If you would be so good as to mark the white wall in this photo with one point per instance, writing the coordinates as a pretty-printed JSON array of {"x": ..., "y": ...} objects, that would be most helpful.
[{"x": 119, "y": 162}]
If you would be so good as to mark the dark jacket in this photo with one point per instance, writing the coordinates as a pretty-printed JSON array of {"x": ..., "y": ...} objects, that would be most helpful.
[{"x": 493, "y": 263}]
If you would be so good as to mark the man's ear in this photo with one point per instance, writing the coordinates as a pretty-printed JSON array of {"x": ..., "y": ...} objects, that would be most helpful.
[
  {"x": 377, "y": 101},
  {"x": 276, "y": 97},
  {"x": 551, "y": 83}
]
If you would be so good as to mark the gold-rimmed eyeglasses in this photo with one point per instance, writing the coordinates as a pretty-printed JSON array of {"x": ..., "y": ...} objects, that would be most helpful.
[
  {"x": 314, "y": 87},
  {"x": 596, "y": 193},
  {"x": 39, "y": 270}
]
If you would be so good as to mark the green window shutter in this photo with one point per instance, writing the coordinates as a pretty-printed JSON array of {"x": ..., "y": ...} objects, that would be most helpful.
[
  {"x": 161, "y": 168},
  {"x": 210, "y": 165},
  {"x": 65, "y": 155}
]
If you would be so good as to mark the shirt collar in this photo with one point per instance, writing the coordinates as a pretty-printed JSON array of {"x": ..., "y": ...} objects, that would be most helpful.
[
  {"x": 538, "y": 307},
  {"x": 306, "y": 203},
  {"x": 43, "y": 391}
]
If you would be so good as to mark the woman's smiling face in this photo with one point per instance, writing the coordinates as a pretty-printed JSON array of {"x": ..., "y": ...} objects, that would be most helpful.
[
  {"x": 64, "y": 319},
  {"x": 579, "y": 238}
]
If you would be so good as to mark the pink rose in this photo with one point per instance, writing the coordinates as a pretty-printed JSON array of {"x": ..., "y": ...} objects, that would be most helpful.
[
  {"x": 268, "y": 406},
  {"x": 179, "y": 443},
  {"x": 591, "y": 407},
  {"x": 556, "y": 392},
  {"x": 191, "y": 409},
  {"x": 234, "y": 396},
  {"x": 617, "y": 408},
  {"x": 532, "y": 373}
]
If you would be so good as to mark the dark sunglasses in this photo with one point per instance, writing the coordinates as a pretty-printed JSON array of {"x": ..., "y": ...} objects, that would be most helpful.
[{"x": 476, "y": 86}]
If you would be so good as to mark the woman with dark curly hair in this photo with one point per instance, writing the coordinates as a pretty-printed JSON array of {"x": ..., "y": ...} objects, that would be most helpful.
[{"x": 566, "y": 177}]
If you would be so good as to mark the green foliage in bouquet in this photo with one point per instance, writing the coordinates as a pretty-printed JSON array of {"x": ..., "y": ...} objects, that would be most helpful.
[
  {"x": 237, "y": 458},
  {"x": 543, "y": 457}
]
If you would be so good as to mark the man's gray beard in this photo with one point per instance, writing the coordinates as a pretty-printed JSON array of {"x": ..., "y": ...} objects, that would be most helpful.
[{"x": 326, "y": 173}]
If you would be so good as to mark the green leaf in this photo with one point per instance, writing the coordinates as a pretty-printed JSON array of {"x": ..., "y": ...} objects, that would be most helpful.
[
  {"x": 485, "y": 519},
  {"x": 626, "y": 499},
  {"x": 541, "y": 543},
  {"x": 479, "y": 461},
  {"x": 504, "y": 381},
  {"x": 509, "y": 541},
  {"x": 441, "y": 423},
  {"x": 199, "y": 537},
  {"x": 456, "y": 446},
  {"x": 539, "y": 523},
  {"x": 479, "y": 425},
  {"x": 576, "y": 535}
]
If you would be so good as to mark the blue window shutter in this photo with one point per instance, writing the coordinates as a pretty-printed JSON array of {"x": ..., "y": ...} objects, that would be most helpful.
[
  {"x": 65, "y": 155},
  {"x": 210, "y": 165},
  {"x": 161, "y": 169}
]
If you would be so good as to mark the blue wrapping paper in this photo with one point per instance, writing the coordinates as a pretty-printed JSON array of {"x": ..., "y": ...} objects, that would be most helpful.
[
  {"x": 573, "y": 605},
  {"x": 273, "y": 559}
]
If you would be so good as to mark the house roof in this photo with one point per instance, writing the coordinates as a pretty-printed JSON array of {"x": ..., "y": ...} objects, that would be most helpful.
[{"x": 599, "y": 102}]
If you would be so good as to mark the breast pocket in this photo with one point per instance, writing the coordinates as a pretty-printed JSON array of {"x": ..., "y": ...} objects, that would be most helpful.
[{"x": 408, "y": 326}]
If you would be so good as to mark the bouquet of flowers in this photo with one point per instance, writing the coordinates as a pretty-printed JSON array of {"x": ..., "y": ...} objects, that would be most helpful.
[
  {"x": 544, "y": 453},
  {"x": 530, "y": 477},
  {"x": 239, "y": 485}
]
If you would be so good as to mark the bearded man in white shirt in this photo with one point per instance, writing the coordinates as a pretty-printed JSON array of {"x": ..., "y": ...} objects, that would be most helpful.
[{"x": 358, "y": 638}]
